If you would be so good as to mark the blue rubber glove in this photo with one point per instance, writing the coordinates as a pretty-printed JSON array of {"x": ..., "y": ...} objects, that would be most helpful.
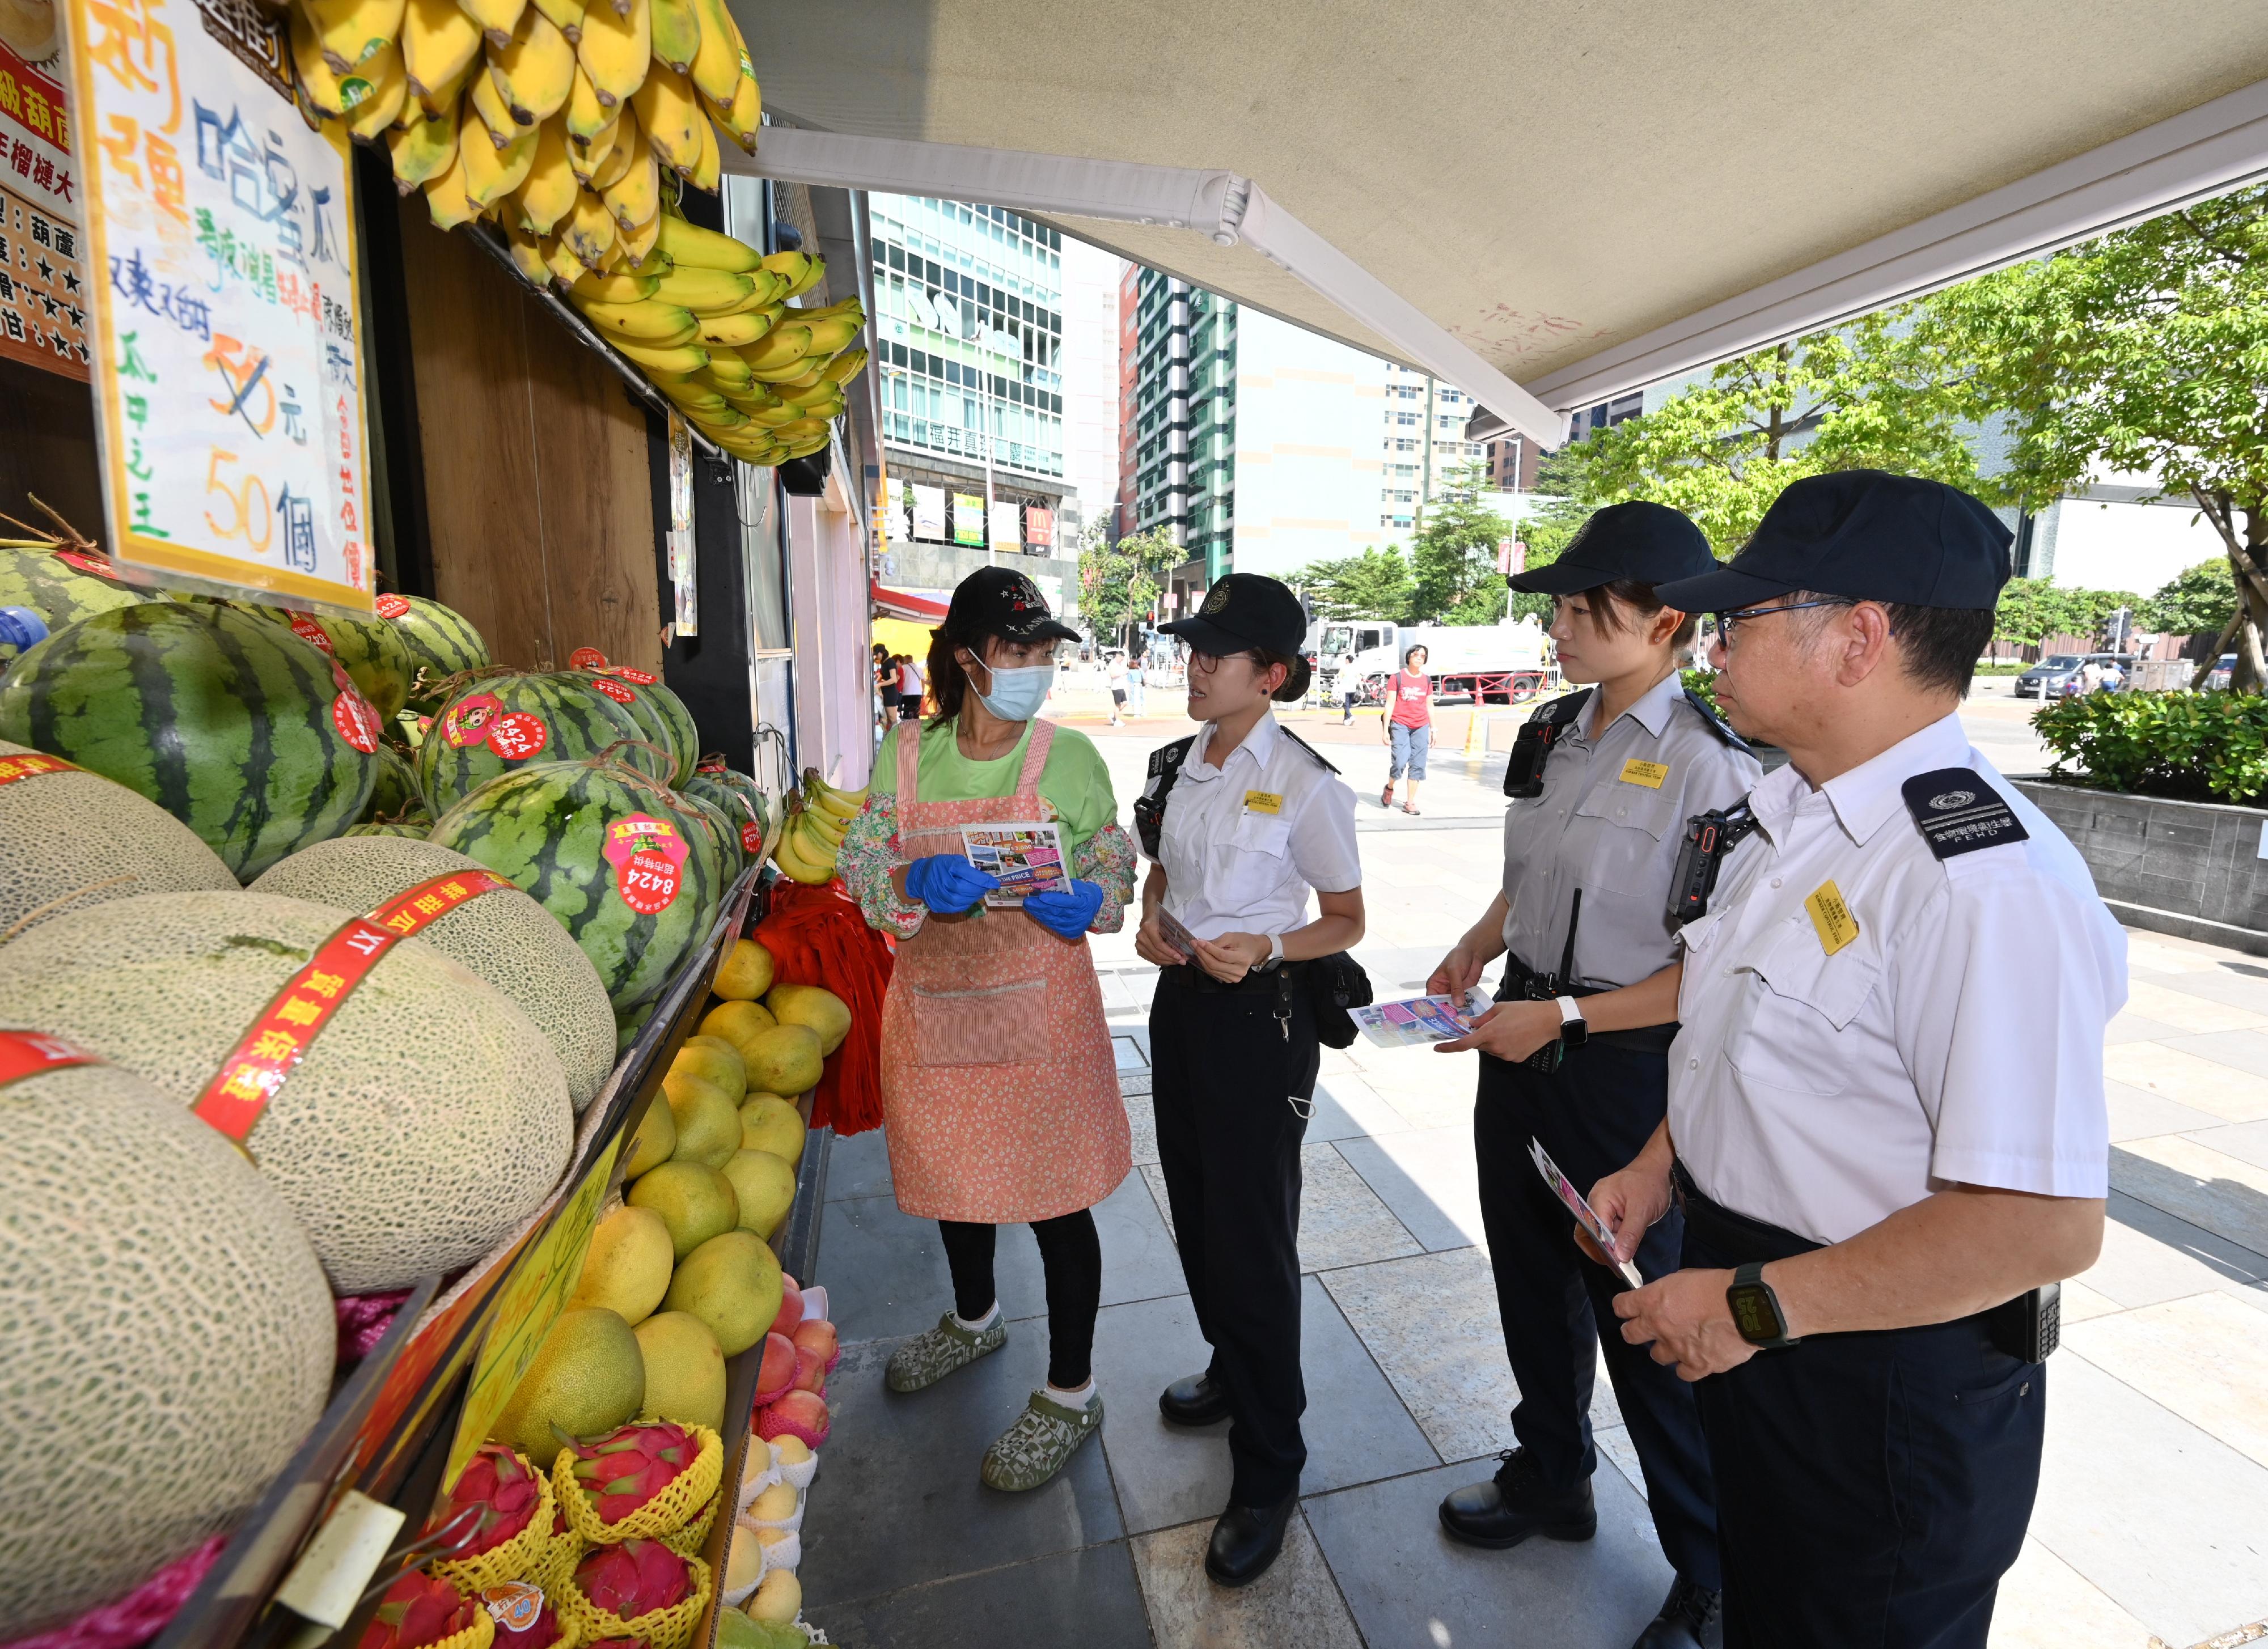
[
  {"x": 1066, "y": 912},
  {"x": 947, "y": 883}
]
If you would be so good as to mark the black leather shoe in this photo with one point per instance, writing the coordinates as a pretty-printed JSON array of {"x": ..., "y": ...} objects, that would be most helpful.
[
  {"x": 1517, "y": 1503},
  {"x": 1246, "y": 1541},
  {"x": 1198, "y": 1399},
  {"x": 1691, "y": 1617}
]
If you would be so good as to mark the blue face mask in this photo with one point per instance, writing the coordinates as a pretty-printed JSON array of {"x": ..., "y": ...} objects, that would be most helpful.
[{"x": 1017, "y": 695}]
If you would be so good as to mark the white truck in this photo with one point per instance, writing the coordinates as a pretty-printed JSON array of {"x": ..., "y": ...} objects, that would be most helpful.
[{"x": 1499, "y": 663}]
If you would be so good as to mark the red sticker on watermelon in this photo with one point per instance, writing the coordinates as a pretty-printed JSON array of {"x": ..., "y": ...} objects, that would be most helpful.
[
  {"x": 752, "y": 837},
  {"x": 306, "y": 630},
  {"x": 519, "y": 736},
  {"x": 99, "y": 565},
  {"x": 710, "y": 764},
  {"x": 391, "y": 605},
  {"x": 467, "y": 721},
  {"x": 614, "y": 690},
  {"x": 649, "y": 856},
  {"x": 586, "y": 658},
  {"x": 353, "y": 714},
  {"x": 644, "y": 678}
]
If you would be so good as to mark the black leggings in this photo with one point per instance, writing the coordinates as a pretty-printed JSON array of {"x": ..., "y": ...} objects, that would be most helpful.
[{"x": 1071, "y": 1253}]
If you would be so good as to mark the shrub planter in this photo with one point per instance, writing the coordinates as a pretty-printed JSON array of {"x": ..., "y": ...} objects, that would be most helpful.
[{"x": 2189, "y": 868}]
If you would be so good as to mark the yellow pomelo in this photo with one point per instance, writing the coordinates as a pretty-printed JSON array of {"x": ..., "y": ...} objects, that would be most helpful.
[
  {"x": 627, "y": 1270},
  {"x": 708, "y": 1122},
  {"x": 746, "y": 974},
  {"x": 713, "y": 1059},
  {"x": 655, "y": 1138},
  {"x": 778, "y": 1599},
  {"x": 695, "y": 1202},
  {"x": 737, "y": 1022},
  {"x": 765, "y": 1185},
  {"x": 768, "y": 1123},
  {"x": 588, "y": 1377},
  {"x": 785, "y": 1059},
  {"x": 814, "y": 1007},
  {"x": 684, "y": 1370},
  {"x": 733, "y": 1284}
]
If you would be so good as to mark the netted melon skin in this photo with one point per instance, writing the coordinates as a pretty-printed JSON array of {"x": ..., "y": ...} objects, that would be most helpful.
[
  {"x": 169, "y": 1338},
  {"x": 504, "y": 937},
  {"x": 425, "y": 1124}
]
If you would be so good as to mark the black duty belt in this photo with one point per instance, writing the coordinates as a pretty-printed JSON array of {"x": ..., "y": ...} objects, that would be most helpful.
[
  {"x": 1649, "y": 1039},
  {"x": 1190, "y": 976}
]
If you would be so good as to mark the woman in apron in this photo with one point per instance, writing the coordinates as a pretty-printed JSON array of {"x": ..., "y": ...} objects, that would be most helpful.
[{"x": 1000, "y": 1093}]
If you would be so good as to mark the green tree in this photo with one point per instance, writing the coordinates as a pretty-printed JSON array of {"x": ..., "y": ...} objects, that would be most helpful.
[
  {"x": 2199, "y": 599},
  {"x": 1119, "y": 583},
  {"x": 2032, "y": 609},
  {"x": 1373, "y": 584},
  {"x": 1550, "y": 526},
  {"x": 1453, "y": 556},
  {"x": 2142, "y": 352}
]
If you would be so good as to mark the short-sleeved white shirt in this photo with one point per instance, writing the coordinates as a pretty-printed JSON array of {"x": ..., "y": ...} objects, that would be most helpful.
[
  {"x": 1957, "y": 1037},
  {"x": 1234, "y": 866}
]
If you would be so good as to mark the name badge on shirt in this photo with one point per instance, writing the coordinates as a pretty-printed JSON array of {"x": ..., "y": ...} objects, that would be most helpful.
[
  {"x": 1838, "y": 927},
  {"x": 1649, "y": 774},
  {"x": 1263, "y": 801}
]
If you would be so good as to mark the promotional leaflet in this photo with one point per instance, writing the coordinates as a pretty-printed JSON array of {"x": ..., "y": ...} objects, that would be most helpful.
[
  {"x": 1576, "y": 1205},
  {"x": 1175, "y": 935},
  {"x": 1420, "y": 1021},
  {"x": 1026, "y": 857}
]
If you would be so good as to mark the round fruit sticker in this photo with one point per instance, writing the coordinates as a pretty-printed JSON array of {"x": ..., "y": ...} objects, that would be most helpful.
[
  {"x": 519, "y": 736},
  {"x": 391, "y": 605},
  {"x": 752, "y": 837},
  {"x": 649, "y": 856},
  {"x": 515, "y": 1606},
  {"x": 467, "y": 721},
  {"x": 614, "y": 690},
  {"x": 353, "y": 714},
  {"x": 644, "y": 678},
  {"x": 586, "y": 658},
  {"x": 309, "y": 631}
]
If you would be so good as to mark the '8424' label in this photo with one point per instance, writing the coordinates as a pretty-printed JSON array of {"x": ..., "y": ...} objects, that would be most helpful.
[{"x": 649, "y": 856}]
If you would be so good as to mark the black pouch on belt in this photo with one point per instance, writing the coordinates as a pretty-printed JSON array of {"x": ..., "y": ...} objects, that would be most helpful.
[
  {"x": 2030, "y": 1327},
  {"x": 1335, "y": 984}
]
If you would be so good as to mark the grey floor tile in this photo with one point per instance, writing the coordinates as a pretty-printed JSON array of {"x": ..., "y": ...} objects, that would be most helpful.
[
  {"x": 2139, "y": 1114},
  {"x": 1129, "y": 1054},
  {"x": 2133, "y": 1027},
  {"x": 2141, "y": 1502},
  {"x": 1089, "y": 1598},
  {"x": 2149, "y": 1255},
  {"x": 2248, "y": 1142},
  {"x": 1409, "y": 1585},
  {"x": 1432, "y": 1323},
  {"x": 1355, "y": 1428},
  {"x": 1341, "y": 1221},
  {"x": 2246, "y": 1050},
  {"x": 858, "y": 1166},
  {"x": 2198, "y": 1357},
  {"x": 903, "y": 1507},
  {"x": 1428, "y": 1179},
  {"x": 1347, "y": 1106},
  {"x": 2223, "y": 1194},
  {"x": 886, "y": 1275},
  {"x": 2222, "y": 984},
  {"x": 1139, "y": 1260},
  {"x": 1294, "y": 1603}
]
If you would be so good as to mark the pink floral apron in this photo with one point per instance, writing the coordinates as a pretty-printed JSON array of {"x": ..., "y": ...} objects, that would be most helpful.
[{"x": 999, "y": 1093}]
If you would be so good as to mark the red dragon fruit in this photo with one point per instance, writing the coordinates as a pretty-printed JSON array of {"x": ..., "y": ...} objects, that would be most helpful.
[
  {"x": 623, "y": 1470},
  {"x": 499, "y": 1487},
  {"x": 419, "y": 1608},
  {"x": 798, "y": 1414},
  {"x": 634, "y": 1578}
]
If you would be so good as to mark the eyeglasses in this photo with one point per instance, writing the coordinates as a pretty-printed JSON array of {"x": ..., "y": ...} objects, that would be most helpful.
[
  {"x": 1206, "y": 662},
  {"x": 1727, "y": 620}
]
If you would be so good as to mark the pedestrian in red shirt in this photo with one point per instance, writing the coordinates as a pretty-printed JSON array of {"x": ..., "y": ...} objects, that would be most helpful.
[{"x": 1409, "y": 727}]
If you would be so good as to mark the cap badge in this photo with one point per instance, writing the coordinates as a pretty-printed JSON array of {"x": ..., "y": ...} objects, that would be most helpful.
[
  {"x": 1216, "y": 601},
  {"x": 1952, "y": 799}
]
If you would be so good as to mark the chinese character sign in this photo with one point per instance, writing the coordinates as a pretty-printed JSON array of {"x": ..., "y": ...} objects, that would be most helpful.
[
  {"x": 43, "y": 307},
  {"x": 225, "y": 323}
]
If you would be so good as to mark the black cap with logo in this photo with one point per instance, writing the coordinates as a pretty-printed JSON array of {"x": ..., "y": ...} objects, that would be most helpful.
[
  {"x": 1650, "y": 542},
  {"x": 1001, "y": 601},
  {"x": 1868, "y": 535},
  {"x": 1242, "y": 611}
]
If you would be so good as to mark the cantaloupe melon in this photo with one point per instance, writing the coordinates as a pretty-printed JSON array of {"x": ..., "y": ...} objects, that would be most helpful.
[
  {"x": 78, "y": 832},
  {"x": 427, "y": 1120},
  {"x": 168, "y": 1338},
  {"x": 504, "y": 937}
]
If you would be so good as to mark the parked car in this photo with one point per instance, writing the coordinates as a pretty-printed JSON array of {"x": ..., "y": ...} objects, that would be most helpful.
[
  {"x": 2224, "y": 671},
  {"x": 2056, "y": 675}
]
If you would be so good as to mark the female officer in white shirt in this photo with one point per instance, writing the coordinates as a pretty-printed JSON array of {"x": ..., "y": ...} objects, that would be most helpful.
[{"x": 1252, "y": 821}]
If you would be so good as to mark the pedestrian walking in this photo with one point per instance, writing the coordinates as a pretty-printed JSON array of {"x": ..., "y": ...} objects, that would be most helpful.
[
  {"x": 1601, "y": 782},
  {"x": 1114, "y": 677},
  {"x": 1886, "y": 1127},
  {"x": 999, "y": 1092},
  {"x": 912, "y": 684},
  {"x": 1408, "y": 728},
  {"x": 1243, "y": 822},
  {"x": 885, "y": 688}
]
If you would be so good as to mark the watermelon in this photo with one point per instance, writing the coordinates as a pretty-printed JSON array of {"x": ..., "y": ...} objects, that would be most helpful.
[
  {"x": 417, "y": 830},
  {"x": 635, "y": 899},
  {"x": 667, "y": 722},
  {"x": 717, "y": 838},
  {"x": 684, "y": 738},
  {"x": 60, "y": 592},
  {"x": 255, "y": 740},
  {"x": 372, "y": 651},
  {"x": 504, "y": 719},
  {"x": 396, "y": 792},
  {"x": 743, "y": 804},
  {"x": 639, "y": 698},
  {"x": 441, "y": 646}
]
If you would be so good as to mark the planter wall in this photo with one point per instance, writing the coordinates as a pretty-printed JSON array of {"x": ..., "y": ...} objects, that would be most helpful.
[{"x": 2188, "y": 868}]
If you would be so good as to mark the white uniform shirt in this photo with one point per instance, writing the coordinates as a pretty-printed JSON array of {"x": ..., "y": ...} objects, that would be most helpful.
[
  {"x": 1244, "y": 842},
  {"x": 1958, "y": 1036}
]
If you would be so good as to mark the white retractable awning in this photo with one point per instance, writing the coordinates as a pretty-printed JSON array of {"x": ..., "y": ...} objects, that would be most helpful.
[{"x": 1545, "y": 204}]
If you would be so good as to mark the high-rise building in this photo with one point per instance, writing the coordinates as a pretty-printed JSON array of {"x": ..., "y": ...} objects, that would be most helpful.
[{"x": 1091, "y": 389}]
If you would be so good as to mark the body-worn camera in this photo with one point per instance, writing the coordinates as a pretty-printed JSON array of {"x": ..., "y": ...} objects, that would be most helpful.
[{"x": 1709, "y": 837}]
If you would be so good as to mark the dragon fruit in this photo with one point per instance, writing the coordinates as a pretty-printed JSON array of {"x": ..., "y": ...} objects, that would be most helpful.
[
  {"x": 497, "y": 1483},
  {"x": 623, "y": 1470},
  {"x": 777, "y": 1372},
  {"x": 634, "y": 1578},
  {"x": 798, "y": 1414},
  {"x": 818, "y": 1337},
  {"x": 419, "y": 1608}
]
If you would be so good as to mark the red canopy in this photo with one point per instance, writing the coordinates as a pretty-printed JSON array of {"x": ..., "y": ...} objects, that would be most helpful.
[{"x": 916, "y": 609}]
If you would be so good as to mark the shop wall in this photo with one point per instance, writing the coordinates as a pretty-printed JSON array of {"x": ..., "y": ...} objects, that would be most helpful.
[
  {"x": 47, "y": 446},
  {"x": 537, "y": 483},
  {"x": 833, "y": 698}
]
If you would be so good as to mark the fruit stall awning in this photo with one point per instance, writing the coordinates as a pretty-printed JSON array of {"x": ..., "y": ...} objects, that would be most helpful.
[
  {"x": 1546, "y": 205},
  {"x": 917, "y": 609}
]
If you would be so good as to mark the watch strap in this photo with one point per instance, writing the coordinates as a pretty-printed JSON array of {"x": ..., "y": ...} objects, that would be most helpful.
[
  {"x": 1275, "y": 948},
  {"x": 1568, "y": 1010},
  {"x": 1750, "y": 1296}
]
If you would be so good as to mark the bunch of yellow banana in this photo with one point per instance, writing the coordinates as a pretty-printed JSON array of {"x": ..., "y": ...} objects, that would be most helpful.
[{"x": 816, "y": 820}]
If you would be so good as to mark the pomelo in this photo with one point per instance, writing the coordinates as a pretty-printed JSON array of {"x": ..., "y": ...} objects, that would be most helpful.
[
  {"x": 733, "y": 1284},
  {"x": 708, "y": 1123},
  {"x": 655, "y": 1139},
  {"x": 785, "y": 1059},
  {"x": 739, "y": 1023},
  {"x": 684, "y": 1370},
  {"x": 714, "y": 1060},
  {"x": 814, "y": 1007},
  {"x": 746, "y": 972},
  {"x": 627, "y": 1270},
  {"x": 768, "y": 1123},
  {"x": 778, "y": 1599},
  {"x": 588, "y": 1377},
  {"x": 766, "y": 1186},
  {"x": 695, "y": 1202}
]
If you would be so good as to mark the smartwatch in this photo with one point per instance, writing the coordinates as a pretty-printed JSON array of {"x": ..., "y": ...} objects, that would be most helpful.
[
  {"x": 1275, "y": 950},
  {"x": 1574, "y": 1029},
  {"x": 1755, "y": 1308}
]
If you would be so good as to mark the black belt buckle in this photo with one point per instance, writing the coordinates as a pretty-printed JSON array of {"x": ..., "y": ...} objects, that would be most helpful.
[{"x": 2030, "y": 1327}]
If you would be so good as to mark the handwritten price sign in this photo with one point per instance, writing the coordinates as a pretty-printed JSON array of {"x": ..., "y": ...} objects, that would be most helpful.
[{"x": 224, "y": 318}]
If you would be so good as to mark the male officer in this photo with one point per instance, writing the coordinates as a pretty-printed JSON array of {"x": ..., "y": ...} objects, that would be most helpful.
[{"x": 1885, "y": 1124}]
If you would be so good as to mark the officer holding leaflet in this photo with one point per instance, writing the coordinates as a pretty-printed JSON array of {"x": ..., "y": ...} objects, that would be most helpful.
[{"x": 1886, "y": 1122}]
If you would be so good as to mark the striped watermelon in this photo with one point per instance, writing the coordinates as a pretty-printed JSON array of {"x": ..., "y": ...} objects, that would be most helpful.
[
  {"x": 660, "y": 711},
  {"x": 507, "y": 719},
  {"x": 244, "y": 733},
  {"x": 416, "y": 829},
  {"x": 60, "y": 592},
  {"x": 717, "y": 837},
  {"x": 640, "y": 696},
  {"x": 441, "y": 645},
  {"x": 684, "y": 737},
  {"x": 744, "y": 806},
  {"x": 396, "y": 792},
  {"x": 373, "y": 652},
  {"x": 636, "y": 903}
]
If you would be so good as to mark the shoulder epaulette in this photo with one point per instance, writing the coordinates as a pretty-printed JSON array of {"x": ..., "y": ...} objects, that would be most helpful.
[
  {"x": 1304, "y": 745},
  {"x": 1957, "y": 812},
  {"x": 1717, "y": 724},
  {"x": 1562, "y": 711}
]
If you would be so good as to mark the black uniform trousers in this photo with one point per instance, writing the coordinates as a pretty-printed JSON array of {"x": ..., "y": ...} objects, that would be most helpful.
[
  {"x": 1592, "y": 1114},
  {"x": 1223, "y": 1075},
  {"x": 1871, "y": 1488}
]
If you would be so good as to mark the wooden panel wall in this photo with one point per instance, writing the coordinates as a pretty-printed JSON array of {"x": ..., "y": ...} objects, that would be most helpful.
[
  {"x": 47, "y": 446},
  {"x": 538, "y": 488}
]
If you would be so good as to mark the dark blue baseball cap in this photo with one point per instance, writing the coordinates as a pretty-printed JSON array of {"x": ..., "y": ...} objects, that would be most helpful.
[
  {"x": 1244, "y": 610},
  {"x": 1650, "y": 542},
  {"x": 1865, "y": 534}
]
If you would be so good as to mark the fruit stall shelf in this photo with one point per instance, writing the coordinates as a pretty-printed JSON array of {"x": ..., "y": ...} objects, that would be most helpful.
[{"x": 387, "y": 1433}]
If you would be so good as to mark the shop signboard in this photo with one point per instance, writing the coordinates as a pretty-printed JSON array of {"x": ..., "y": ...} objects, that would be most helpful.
[
  {"x": 224, "y": 322},
  {"x": 1040, "y": 528},
  {"x": 929, "y": 512},
  {"x": 43, "y": 303},
  {"x": 968, "y": 519},
  {"x": 1007, "y": 527}
]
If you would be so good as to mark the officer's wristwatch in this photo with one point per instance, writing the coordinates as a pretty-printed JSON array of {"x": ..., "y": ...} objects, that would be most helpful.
[
  {"x": 1574, "y": 1029},
  {"x": 1275, "y": 950},
  {"x": 1755, "y": 1308}
]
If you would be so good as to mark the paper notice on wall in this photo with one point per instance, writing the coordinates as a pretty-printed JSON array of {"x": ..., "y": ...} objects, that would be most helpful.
[
  {"x": 682, "y": 578},
  {"x": 929, "y": 512},
  {"x": 1007, "y": 527},
  {"x": 43, "y": 305},
  {"x": 224, "y": 318},
  {"x": 968, "y": 518}
]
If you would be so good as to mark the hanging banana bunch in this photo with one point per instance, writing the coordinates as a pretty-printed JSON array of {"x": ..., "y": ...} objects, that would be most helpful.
[{"x": 572, "y": 127}]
